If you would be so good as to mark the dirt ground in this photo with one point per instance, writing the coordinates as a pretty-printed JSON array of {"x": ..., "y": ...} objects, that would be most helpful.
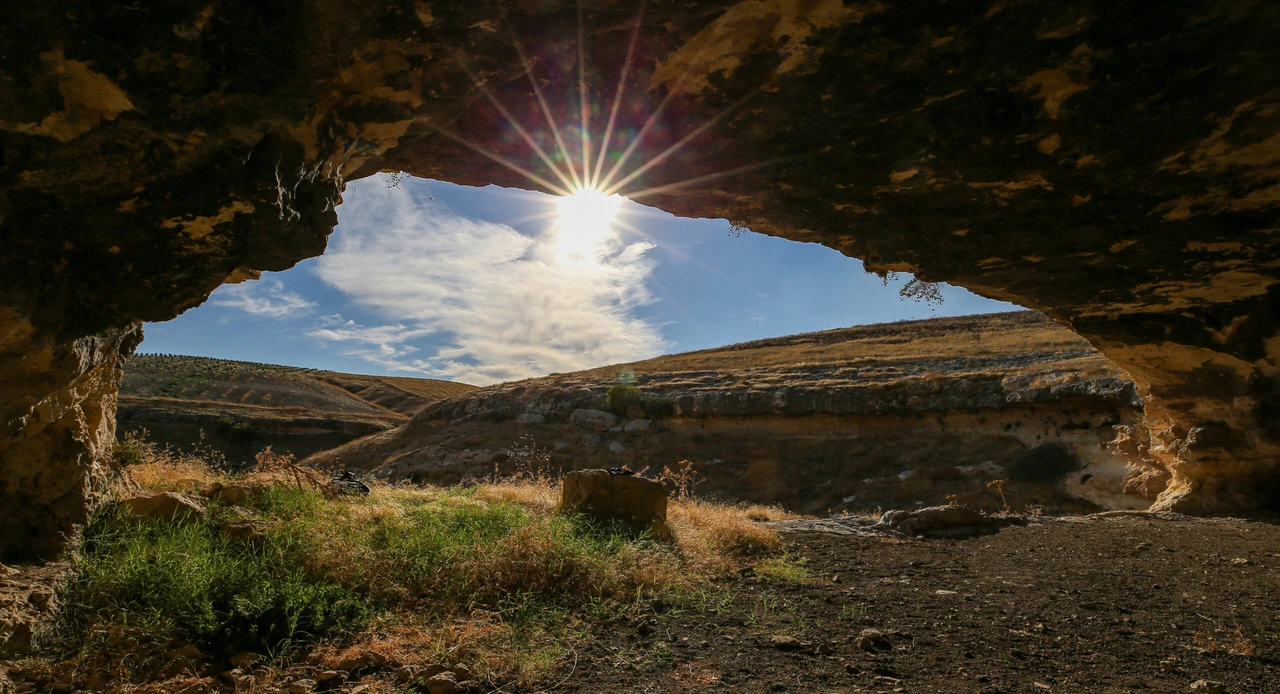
[{"x": 1122, "y": 604}]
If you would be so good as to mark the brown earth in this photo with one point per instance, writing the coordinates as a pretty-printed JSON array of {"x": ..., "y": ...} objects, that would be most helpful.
[
  {"x": 1115, "y": 165},
  {"x": 1141, "y": 603},
  {"x": 877, "y": 416},
  {"x": 238, "y": 408}
]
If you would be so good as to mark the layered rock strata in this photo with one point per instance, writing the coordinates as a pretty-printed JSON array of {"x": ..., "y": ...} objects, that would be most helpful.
[
  {"x": 1116, "y": 165},
  {"x": 854, "y": 419}
]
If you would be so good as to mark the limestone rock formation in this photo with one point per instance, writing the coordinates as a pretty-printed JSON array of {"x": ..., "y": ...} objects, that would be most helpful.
[
  {"x": 597, "y": 420},
  {"x": 640, "y": 503},
  {"x": 165, "y": 506},
  {"x": 855, "y": 419},
  {"x": 1116, "y": 165}
]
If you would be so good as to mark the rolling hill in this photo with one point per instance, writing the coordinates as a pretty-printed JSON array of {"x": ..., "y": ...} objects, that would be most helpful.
[{"x": 238, "y": 408}]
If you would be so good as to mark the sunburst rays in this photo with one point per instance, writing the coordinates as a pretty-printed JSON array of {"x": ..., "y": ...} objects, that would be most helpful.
[{"x": 580, "y": 171}]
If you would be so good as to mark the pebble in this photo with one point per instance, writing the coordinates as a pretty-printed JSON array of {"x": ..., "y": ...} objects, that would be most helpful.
[
  {"x": 784, "y": 642},
  {"x": 872, "y": 640},
  {"x": 443, "y": 683},
  {"x": 302, "y": 687},
  {"x": 1208, "y": 687}
]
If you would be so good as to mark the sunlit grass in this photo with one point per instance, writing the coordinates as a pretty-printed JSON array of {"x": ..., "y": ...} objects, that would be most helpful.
[{"x": 489, "y": 576}]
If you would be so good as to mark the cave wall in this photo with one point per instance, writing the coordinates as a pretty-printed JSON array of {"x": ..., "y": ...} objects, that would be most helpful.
[{"x": 1115, "y": 165}]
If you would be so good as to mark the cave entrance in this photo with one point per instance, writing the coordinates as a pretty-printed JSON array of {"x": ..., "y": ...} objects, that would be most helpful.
[{"x": 483, "y": 285}]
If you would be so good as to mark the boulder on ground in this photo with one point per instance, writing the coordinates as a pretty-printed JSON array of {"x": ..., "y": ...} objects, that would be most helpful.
[
  {"x": 638, "y": 502},
  {"x": 232, "y": 492},
  {"x": 639, "y": 425},
  {"x": 944, "y": 521},
  {"x": 530, "y": 418},
  {"x": 166, "y": 506},
  {"x": 599, "y": 420},
  {"x": 362, "y": 659},
  {"x": 443, "y": 683},
  {"x": 616, "y": 448}
]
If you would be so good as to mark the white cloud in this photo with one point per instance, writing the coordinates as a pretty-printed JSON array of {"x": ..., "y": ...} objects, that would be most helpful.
[
  {"x": 476, "y": 301},
  {"x": 266, "y": 298}
]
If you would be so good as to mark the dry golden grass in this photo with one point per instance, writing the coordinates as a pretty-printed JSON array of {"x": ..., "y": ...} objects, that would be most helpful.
[
  {"x": 161, "y": 469},
  {"x": 926, "y": 340},
  {"x": 491, "y": 576}
]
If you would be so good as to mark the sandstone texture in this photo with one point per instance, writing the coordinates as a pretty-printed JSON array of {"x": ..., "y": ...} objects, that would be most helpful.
[
  {"x": 165, "y": 506},
  {"x": 880, "y": 416},
  {"x": 1115, "y": 165},
  {"x": 638, "y": 502}
]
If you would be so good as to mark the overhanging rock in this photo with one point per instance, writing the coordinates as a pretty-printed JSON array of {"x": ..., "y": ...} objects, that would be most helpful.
[{"x": 1115, "y": 165}]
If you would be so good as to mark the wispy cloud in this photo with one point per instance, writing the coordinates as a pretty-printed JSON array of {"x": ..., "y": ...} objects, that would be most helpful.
[
  {"x": 477, "y": 301},
  {"x": 266, "y": 298}
]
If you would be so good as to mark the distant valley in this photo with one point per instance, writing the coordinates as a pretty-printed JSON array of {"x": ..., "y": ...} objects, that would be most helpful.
[{"x": 238, "y": 408}]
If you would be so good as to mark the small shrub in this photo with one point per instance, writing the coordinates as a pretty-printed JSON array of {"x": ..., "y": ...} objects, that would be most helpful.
[
  {"x": 683, "y": 480},
  {"x": 622, "y": 398}
]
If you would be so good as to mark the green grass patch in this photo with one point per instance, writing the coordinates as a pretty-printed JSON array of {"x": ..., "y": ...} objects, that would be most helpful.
[
  {"x": 784, "y": 568},
  {"x": 324, "y": 567},
  {"x": 191, "y": 583}
]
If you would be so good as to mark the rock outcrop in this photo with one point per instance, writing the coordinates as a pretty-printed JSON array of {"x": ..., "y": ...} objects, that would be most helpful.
[
  {"x": 639, "y": 503},
  {"x": 877, "y": 416},
  {"x": 1116, "y": 165}
]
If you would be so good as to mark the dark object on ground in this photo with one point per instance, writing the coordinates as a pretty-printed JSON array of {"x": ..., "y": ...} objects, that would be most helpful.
[
  {"x": 621, "y": 471},
  {"x": 944, "y": 521},
  {"x": 348, "y": 483},
  {"x": 1043, "y": 464},
  {"x": 639, "y": 503}
]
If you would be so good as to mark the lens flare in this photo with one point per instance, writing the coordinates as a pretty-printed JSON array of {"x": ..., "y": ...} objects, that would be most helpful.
[{"x": 585, "y": 224}]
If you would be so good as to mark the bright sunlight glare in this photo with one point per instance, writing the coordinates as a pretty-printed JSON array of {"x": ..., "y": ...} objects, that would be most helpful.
[{"x": 585, "y": 223}]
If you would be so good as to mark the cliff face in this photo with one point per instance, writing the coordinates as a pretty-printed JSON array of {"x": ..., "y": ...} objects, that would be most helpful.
[
  {"x": 1116, "y": 165},
  {"x": 856, "y": 419}
]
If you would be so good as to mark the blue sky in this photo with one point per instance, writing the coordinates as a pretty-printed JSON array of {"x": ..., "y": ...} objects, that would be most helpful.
[{"x": 483, "y": 285}]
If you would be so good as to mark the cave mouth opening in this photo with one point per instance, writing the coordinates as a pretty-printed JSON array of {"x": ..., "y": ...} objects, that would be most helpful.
[{"x": 488, "y": 284}]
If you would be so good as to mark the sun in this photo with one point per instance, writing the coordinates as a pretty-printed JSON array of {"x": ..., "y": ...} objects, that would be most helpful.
[{"x": 585, "y": 222}]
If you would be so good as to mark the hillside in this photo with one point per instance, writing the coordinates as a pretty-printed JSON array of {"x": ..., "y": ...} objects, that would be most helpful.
[
  {"x": 850, "y": 419},
  {"x": 238, "y": 407}
]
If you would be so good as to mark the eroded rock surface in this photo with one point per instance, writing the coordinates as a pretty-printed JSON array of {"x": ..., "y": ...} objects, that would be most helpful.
[
  {"x": 638, "y": 502},
  {"x": 1116, "y": 165},
  {"x": 878, "y": 416}
]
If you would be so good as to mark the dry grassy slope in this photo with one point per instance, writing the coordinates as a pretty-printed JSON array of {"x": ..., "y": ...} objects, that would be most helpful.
[
  {"x": 241, "y": 407},
  {"x": 816, "y": 421}
]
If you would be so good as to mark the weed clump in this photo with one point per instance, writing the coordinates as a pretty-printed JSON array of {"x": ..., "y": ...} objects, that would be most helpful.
[
  {"x": 621, "y": 399},
  {"x": 190, "y": 583}
]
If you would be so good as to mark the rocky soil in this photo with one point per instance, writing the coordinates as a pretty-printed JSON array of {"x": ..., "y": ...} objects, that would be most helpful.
[
  {"x": 885, "y": 416},
  {"x": 1134, "y": 603},
  {"x": 1114, "y": 603}
]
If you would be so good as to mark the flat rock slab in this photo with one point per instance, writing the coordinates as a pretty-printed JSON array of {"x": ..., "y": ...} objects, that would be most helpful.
[{"x": 166, "y": 506}]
